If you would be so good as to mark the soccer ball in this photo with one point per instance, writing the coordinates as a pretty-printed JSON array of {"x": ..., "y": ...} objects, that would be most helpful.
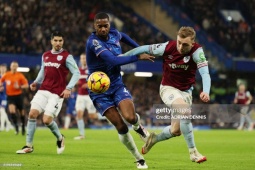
[{"x": 98, "y": 82}]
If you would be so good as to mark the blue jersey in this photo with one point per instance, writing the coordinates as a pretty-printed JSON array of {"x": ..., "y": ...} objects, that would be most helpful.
[
  {"x": 71, "y": 103},
  {"x": 104, "y": 55},
  {"x": 107, "y": 64},
  {"x": 3, "y": 98}
]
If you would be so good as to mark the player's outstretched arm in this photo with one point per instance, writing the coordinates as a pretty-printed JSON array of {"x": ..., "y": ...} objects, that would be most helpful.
[
  {"x": 146, "y": 57},
  {"x": 109, "y": 58},
  {"x": 153, "y": 49},
  {"x": 137, "y": 50}
]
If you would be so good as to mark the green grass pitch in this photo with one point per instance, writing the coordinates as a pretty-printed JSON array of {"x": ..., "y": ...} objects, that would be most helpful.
[{"x": 102, "y": 150}]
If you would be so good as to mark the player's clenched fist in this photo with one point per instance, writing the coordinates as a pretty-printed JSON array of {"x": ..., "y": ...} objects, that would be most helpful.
[{"x": 204, "y": 97}]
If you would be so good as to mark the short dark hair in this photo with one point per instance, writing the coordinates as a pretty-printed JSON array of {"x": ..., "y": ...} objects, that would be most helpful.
[
  {"x": 101, "y": 15},
  {"x": 56, "y": 33}
]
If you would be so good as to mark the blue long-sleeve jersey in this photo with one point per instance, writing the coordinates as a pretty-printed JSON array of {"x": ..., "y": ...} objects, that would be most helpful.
[{"x": 103, "y": 55}]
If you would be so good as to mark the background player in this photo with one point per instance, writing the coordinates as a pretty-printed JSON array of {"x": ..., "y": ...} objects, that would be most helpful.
[
  {"x": 102, "y": 51},
  {"x": 70, "y": 108},
  {"x": 243, "y": 98},
  {"x": 181, "y": 59},
  {"x": 83, "y": 100},
  {"x": 5, "y": 123},
  {"x": 15, "y": 83},
  {"x": 56, "y": 64}
]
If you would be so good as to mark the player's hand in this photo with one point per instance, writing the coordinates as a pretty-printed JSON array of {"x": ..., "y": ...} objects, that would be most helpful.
[
  {"x": 146, "y": 57},
  {"x": 248, "y": 102},
  {"x": 204, "y": 97},
  {"x": 33, "y": 86},
  {"x": 16, "y": 85},
  {"x": 66, "y": 93},
  {"x": 84, "y": 86}
]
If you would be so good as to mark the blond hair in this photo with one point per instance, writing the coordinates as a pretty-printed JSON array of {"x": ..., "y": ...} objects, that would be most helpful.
[{"x": 185, "y": 32}]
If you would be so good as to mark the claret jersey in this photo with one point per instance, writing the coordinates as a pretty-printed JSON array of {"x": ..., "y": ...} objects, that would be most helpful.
[{"x": 179, "y": 70}]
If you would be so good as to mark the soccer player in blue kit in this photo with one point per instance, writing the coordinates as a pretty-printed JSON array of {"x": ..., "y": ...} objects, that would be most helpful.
[{"x": 103, "y": 54}]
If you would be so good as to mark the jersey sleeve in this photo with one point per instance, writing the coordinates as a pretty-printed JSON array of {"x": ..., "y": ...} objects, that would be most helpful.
[
  {"x": 157, "y": 49},
  {"x": 127, "y": 40},
  {"x": 40, "y": 76},
  {"x": 109, "y": 58},
  {"x": 153, "y": 49},
  {"x": 73, "y": 68},
  {"x": 248, "y": 94},
  {"x": 199, "y": 58},
  {"x": 97, "y": 47},
  {"x": 202, "y": 65}
]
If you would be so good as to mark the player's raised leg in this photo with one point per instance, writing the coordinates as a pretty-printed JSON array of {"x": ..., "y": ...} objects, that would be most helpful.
[
  {"x": 125, "y": 137},
  {"x": 155, "y": 138}
]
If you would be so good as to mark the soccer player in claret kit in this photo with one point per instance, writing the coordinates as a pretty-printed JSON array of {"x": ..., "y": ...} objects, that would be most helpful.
[
  {"x": 83, "y": 100},
  {"x": 102, "y": 52},
  {"x": 56, "y": 64},
  {"x": 181, "y": 60},
  {"x": 243, "y": 98}
]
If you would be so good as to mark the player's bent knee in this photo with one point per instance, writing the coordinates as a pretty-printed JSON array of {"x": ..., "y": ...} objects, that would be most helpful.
[
  {"x": 131, "y": 118},
  {"x": 176, "y": 132},
  {"x": 33, "y": 114},
  {"x": 47, "y": 120},
  {"x": 122, "y": 129}
]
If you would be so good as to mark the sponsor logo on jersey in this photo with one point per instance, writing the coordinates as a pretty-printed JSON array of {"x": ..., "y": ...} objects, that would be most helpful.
[
  {"x": 181, "y": 66},
  {"x": 96, "y": 44},
  {"x": 170, "y": 57},
  {"x": 50, "y": 64},
  {"x": 59, "y": 57},
  {"x": 186, "y": 59}
]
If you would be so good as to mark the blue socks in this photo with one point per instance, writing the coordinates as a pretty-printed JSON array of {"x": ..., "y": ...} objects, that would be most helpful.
[
  {"x": 165, "y": 134},
  {"x": 187, "y": 131},
  {"x": 31, "y": 126},
  {"x": 55, "y": 130},
  {"x": 81, "y": 126}
]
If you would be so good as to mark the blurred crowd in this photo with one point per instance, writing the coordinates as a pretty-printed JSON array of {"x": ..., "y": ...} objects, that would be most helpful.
[
  {"x": 26, "y": 25},
  {"x": 235, "y": 36}
]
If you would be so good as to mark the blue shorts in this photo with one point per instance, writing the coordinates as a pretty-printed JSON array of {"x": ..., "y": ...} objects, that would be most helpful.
[
  {"x": 103, "y": 101},
  {"x": 71, "y": 110}
]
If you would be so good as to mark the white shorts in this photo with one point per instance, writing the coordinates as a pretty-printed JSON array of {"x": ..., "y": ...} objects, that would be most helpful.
[
  {"x": 47, "y": 102},
  {"x": 169, "y": 94},
  {"x": 84, "y": 102},
  {"x": 244, "y": 110}
]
